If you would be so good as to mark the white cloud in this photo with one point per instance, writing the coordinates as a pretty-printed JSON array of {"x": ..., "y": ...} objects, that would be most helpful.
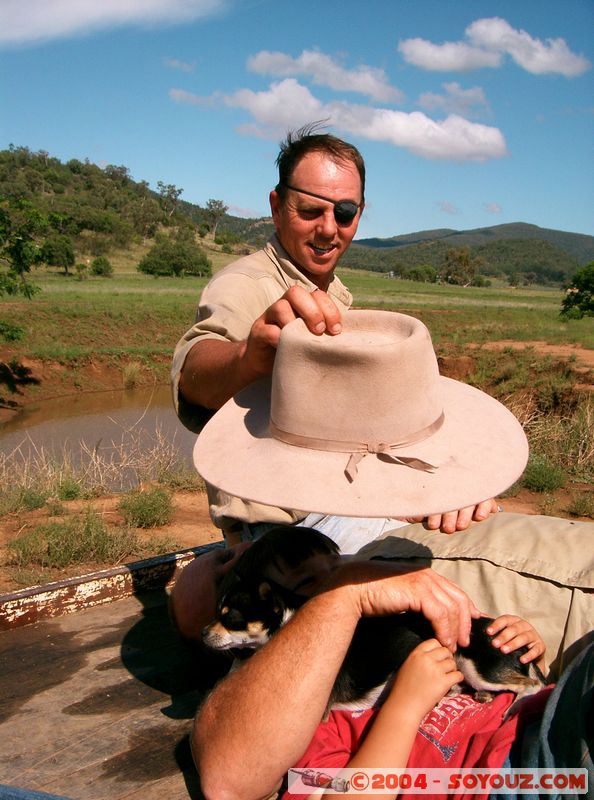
[
  {"x": 188, "y": 98},
  {"x": 492, "y": 208},
  {"x": 324, "y": 71},
  {"x": 288, "y": 104},
  {"x": 175, "y": 63},
  {"x": 285, "y": 105},
  {"x": 453, "y": 138},
  {"x": 533, "y": 55},
  {"x": 446, "y": 207},
  {"x": 456, "y": 100},
  {"x": 29, "y": 21},
  {"x": 447, "y": 57},
  {"x": 488, "y": 41}
]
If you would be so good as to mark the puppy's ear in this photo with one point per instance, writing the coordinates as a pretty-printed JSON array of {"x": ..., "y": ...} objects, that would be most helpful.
[
  {"x": 265, "y": 590},
  {"x": 268, "y": 595}
]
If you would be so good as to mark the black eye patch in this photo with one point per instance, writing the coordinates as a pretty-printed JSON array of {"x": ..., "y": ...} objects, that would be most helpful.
[{"x": 345, "y": 211}]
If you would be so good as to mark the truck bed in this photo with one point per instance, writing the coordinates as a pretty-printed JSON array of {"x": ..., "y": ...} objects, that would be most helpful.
[{"x": 99, "y": 703}]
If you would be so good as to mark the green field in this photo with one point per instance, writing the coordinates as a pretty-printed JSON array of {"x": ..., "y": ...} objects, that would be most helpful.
[{"x": 136, "y": 315}]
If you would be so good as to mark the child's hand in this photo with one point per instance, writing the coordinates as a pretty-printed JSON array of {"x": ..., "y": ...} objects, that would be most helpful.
[
  {"x": 426, "y": 676},
  {"x": 511, "y": 632}
]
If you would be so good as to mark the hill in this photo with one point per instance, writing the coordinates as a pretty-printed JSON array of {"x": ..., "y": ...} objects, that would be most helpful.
[
  {"x": 578, "y": 245},
  {"x": 515, "y": 248},
  {"x": 102, "y": 209}
]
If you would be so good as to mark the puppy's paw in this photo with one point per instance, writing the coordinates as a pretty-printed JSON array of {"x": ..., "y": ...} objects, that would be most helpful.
[{"x": 483, "y": 696}]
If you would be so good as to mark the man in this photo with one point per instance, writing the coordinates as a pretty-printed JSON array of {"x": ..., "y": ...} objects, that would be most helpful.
[
  {"x": 316, "y": 207},
  {"x": 260, "y": 719}
]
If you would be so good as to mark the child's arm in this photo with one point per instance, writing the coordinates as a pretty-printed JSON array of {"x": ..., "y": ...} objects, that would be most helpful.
[
  {"x": 425, "y": 677},
  {"x": 511, "y": 632}
]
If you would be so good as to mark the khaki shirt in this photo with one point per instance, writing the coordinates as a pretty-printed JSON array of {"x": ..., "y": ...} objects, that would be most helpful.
[
  {"x": 229, "y": 305},
  {"x": 540, "y": 568}
]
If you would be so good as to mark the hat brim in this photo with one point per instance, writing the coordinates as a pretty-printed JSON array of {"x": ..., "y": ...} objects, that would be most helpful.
[{"x": 479, "y": 451}]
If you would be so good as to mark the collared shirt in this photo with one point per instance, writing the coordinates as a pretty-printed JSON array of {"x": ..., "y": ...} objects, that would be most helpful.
[{"x": 229, "y": 305}]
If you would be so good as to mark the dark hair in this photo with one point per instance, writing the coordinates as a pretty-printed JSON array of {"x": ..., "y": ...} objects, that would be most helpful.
[{"x": 306, "y": 140}]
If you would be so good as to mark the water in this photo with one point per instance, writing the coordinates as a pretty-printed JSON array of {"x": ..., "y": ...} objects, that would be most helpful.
[{"x": 104, "y": 422}]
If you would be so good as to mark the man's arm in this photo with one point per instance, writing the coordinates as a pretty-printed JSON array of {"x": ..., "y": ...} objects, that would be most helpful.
[
  {"x": 258, "y": 722},
  {"x": 215, "y": 370}
]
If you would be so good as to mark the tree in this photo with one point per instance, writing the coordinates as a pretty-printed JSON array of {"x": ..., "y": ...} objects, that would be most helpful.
[
  {"x": 579, "y": 295},
  {"x": 460, "y": 267},
  {"x": 424, "y": 273},
  {"x": 57, "y": 251},
  {"x": 215, "y": 211},
  {"x": 176, "y": 255},
  {"x": 20, "y": 225},
  {"x": 170, "y": 194}
]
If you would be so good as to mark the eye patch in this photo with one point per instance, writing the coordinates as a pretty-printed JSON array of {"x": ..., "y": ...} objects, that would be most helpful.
[{"x": 345, "y": 211}]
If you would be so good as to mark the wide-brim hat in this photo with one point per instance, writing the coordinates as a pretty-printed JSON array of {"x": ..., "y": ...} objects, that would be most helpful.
[{"x": 361, "y": 424}]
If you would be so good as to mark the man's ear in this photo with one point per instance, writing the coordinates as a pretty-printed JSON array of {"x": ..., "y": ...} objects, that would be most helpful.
[{"x": 275, "y": 205}]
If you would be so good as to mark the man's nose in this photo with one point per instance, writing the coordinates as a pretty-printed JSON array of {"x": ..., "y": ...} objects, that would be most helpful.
[{"x": 327, "y": 224}]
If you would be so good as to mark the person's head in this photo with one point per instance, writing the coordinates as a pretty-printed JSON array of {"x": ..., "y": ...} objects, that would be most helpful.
[{"x": 318, "y": 201}]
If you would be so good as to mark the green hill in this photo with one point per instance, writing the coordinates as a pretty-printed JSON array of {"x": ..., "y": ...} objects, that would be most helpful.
[
  {"x": 103, "y": 209},
  {"x": 551, "y": 255}
]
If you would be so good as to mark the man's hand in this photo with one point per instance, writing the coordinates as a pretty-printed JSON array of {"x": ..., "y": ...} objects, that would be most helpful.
[
  {"x": 316, "y": 309},
  {"x": 453, "y": 521},
  {"x": 215, "y": 370},
  {"x": 379, "y": 587}
]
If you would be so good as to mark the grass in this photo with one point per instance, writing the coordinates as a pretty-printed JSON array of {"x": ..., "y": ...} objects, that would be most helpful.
[
  {"x": 542, "y": 475},
  {"x": 82, "y": 538},
  {"x": 134, "y": 315},
  {"x": 30, "y": 479},
  {"x": 76, "y": 540},
  {"x": 131, "y": 375},
  {"x": 147, "y": 508}
]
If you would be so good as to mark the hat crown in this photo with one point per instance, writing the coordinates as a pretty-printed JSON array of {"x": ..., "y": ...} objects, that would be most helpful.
[{"x": 376, "y": 382}]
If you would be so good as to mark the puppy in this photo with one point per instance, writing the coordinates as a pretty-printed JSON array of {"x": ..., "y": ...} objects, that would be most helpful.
[{"x": 253, "y": 604}]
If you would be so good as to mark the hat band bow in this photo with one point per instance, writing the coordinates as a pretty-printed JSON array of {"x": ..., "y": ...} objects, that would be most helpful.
[{"x": 358, "y": 450}]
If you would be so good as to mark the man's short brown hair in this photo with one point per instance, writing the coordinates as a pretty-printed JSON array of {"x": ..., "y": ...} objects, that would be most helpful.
[{"x": 306, "y": 140}]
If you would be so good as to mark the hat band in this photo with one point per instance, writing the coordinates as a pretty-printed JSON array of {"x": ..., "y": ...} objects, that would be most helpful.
[{"x": 359, "y": 450}]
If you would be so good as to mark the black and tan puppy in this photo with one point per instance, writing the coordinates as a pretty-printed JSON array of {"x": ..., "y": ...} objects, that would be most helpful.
[{"x": 275, "y": 576}]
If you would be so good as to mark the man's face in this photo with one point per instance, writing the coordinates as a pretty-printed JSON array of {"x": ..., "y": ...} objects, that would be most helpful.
[{"x": 306, "y": 226}]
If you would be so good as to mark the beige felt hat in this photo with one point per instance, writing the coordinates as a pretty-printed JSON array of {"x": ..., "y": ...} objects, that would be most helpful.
[{"x": 362, "y": 424}]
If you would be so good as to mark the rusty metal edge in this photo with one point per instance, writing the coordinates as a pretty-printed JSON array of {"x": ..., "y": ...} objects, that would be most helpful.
[{"x": 67, "y": 596}]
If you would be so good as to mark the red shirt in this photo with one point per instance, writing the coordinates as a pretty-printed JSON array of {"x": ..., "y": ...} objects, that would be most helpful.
[{"x": 458, "y": 732}]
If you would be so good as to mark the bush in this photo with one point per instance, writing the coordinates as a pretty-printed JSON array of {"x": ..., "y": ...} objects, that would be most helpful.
[
  {"x": 579, "y": 295},
  {"x": 581, "y": 505},
  {"x": 147, "y": 509},
  {"x": 30, "y": 499},
  {"x": 542, "y": 475},
  {"x": 69, "y": 488},
  {"x": 74, "y": 541},
  {"x": 176, "y": 256},
  {"x": 102, "y": 266}
]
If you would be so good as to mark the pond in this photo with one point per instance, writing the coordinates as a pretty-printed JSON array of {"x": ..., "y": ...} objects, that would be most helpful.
[{"x": 126, "y": 425}]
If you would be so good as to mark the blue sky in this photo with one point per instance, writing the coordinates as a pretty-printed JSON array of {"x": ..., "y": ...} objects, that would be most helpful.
[{"x": 468, "y": 112}]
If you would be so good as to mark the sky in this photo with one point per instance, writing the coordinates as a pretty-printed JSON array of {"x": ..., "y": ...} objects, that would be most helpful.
[{"x": 469, "y": 113}]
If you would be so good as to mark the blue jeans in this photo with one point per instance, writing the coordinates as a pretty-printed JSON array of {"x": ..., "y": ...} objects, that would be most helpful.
[{"x": 12, "y": 793}]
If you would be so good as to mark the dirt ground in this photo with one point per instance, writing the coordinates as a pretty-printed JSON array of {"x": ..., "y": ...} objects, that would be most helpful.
[{"x": 191, "y": 524}]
